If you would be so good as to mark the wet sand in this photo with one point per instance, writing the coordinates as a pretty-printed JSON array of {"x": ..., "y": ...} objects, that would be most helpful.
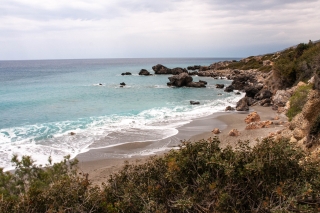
[{"x": 100, "y": 163}]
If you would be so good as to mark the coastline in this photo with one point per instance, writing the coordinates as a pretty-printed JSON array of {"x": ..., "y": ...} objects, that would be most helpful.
[{"x": 100, "y": 163}]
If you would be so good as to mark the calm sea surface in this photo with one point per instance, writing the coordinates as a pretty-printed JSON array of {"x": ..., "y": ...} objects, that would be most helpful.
[{"x": 42, "y": 101}]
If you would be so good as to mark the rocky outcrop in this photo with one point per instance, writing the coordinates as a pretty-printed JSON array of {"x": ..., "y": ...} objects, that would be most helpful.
[
  {"x": 281, "y": 98},
  {"x": 180, "y": 80},
  {"x": 252, "y": 117},
  {"x": 234, "y": 133},
  {"x": 229, "y": 88},
  {"x": 229, "y": 108},
  {"x": 259, "y": 125},
  {"x": 126, "y": 73},
  {"x": 204, "y": 73},
  {"x": 242, "y": 104},
  {"x": 263, "y": 94},
  {"x": 219, "y": 86},
  {"x": 160, "y": 69},
  {"x": 196, "y": 84},
  {"x": 195, "y": 67},
  {"x": 194, "y": 102},
  {"x": 178, "y": 70},
  {"x": 144, "y": 72},
  {"x": 184, "y": 79},
  {"x": 204, "y": 82}
]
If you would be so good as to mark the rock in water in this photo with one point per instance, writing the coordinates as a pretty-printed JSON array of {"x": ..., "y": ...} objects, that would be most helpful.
[
  {"x": 144, "y": 72},
  {"x": 194, "y": 102},
  {"x": 220, "y": 86},
  {"x": 180, "y": 80}
]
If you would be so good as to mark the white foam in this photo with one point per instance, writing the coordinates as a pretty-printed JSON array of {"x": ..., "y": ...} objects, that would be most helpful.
[{"x": 42, "y": 140}]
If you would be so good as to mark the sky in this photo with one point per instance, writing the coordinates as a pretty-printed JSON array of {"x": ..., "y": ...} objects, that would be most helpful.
[{"x": 70, "y": 29}]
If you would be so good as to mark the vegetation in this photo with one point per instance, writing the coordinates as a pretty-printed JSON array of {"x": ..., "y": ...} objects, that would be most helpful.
[
  {"x": 250, "y": 63},
  {"x": 298, "y": 100},
  {"x": 273, "y": 176},
  {"x": 298, "y": 64}
]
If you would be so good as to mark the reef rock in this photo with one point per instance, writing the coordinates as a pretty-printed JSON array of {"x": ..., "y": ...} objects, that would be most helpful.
[
  {"x": 180, "y": 80},
  {"x": 144, "y": 72}
]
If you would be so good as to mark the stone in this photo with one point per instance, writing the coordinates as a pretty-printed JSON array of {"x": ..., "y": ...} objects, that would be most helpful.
[
  {"x": 263, "y": 94},
  {"x": 194, "y": 102},
  {"x": 216, "y": 131},
  {"x": 229, "y": 88},
  {"x": 281, "y": 98},
  {"x": 252, "y": 117},
  {"x": 126, "y": 73},
  {"x": 234, "y": 133},
  {"x": 229, "y": 108},
  {"x": 219, "y": 86},
  {"x": 122, "y": 84},
  {"x": 196, "y": 84},
  {"x": 242, "y": 104},
  {"x": 204, "y": 82},
  {"x": 180, "y": 80},
  {"x": 160, "y": 69},
  {"x": 72, "y": 133},
  {"x": 144, "y": 72}
]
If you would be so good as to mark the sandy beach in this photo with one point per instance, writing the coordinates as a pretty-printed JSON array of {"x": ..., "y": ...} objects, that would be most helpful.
[{"x": 100, "y": 163}]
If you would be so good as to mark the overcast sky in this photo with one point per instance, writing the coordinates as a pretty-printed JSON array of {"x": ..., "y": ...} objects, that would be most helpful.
[{"x": 63, "y": 29}]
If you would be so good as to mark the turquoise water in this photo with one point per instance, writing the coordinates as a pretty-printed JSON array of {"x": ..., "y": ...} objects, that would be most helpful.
[{"x": 41, "y": 102}]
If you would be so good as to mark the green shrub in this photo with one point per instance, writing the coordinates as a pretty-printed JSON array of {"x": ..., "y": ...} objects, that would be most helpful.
[
  {"x": 298, "y": 100},
  {"x": 54, "y": 188},
  {"x": 298, "y": 64},
  {"x": 273, "y": 176},
  {"x": 201, "y": 177}
]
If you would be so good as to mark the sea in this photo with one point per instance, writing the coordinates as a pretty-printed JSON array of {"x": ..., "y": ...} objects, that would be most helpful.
[{"x": 67, "y": 107}]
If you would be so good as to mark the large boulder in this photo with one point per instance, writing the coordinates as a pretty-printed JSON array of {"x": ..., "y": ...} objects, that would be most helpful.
[
  {"x": 242, "y": 104},
  {"x": 242, "y": 80},
  {"x": 252, "y": 90},
  {"x": 144, "y": 72},
  {"x": 178, "y": 70},
  {"x": 234, "y": 133},
  {"x": 219, "y": 86},
  {"x": 180, "y": 80},
  {"x": 229, "y": 88},
  {"x": 263, "y": 94},
  {"x": 196, "y": 84},
  {"x": 281, "y": 98},
  {"x": 252, "y": 117},
  {"x": 160, "y": 69},
  {"x": 204, "y": 73}
]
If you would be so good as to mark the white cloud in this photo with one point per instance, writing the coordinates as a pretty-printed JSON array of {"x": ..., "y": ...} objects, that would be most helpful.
[{"x": 141, "y": 28}]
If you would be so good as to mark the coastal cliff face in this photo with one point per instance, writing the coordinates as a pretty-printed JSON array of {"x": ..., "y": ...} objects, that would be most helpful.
[{"x": 289, "y": 81}]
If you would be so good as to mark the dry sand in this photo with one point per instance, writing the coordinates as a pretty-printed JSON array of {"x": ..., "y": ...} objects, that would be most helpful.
[{"x": 100, "y": 165}]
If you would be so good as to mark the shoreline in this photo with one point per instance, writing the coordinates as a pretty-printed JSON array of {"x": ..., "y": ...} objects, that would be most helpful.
[{"x": 100, "y": 163}]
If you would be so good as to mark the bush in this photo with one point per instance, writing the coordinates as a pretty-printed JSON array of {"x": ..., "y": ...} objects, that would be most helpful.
[
  {"x": 54, "y": 188},
  {"x": 298, "y": 64},
  {"x": 201, "y": 177},
  {"x": 298, "y": 100},
  {"x": 273, "y": 176}
]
